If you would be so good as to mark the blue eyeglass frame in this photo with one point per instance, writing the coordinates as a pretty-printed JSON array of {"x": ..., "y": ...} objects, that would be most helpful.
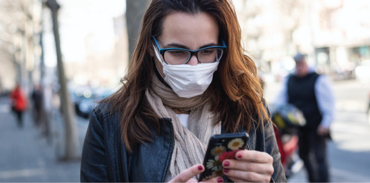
[{"x": 192, "y": 52}]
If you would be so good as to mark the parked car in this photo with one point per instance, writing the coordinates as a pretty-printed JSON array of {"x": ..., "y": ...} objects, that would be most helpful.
[
  {"x": 344, "y": 71},
  {"x": 77, "y": 95},
  {"x": 362, "y": 71},
  {"x": 90, "y": 99}
]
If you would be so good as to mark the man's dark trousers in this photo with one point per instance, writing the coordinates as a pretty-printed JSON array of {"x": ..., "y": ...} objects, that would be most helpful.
[
  {"x": 312, "y": 147},
  {"x": 312, "y": 150}
]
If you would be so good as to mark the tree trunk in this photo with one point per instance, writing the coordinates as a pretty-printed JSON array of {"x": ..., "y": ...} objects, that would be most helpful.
[
  {"x": 135, "y": 10},
  {"x": 69, "y": 117}
]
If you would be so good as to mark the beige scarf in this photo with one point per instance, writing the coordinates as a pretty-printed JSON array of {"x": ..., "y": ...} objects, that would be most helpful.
[{"x": 190, "y": 146}]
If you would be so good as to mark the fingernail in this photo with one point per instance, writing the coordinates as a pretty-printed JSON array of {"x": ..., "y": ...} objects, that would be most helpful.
[
  {"x": 226, "y": 170},
  {"x": 200, "y": 167},
  {"x": 239, "y": 155},
  {"x": 220, "y": 179},
  {"x": 226, "y": 163}
]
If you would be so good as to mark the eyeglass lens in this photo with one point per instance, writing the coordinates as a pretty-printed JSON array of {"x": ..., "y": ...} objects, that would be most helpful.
[{"x": 177, "y": 57}]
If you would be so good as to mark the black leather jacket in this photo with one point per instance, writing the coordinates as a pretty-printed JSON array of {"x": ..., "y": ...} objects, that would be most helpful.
[{"x": 105, "y": 159}]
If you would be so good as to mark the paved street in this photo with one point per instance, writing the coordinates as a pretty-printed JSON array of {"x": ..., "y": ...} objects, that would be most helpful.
[
  {"x": 27, "y": 157},
  {"x": 349, "y": 152}
]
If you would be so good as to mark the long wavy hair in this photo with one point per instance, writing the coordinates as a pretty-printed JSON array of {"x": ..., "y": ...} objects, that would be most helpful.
[{"x": 237, "y": 97}]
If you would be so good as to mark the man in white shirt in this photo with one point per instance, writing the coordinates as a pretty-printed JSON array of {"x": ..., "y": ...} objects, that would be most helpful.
[{"x": 312, "y": 94}]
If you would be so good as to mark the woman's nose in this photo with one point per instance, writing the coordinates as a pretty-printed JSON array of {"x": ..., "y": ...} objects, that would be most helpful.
[{"x": 193, "y": 60}]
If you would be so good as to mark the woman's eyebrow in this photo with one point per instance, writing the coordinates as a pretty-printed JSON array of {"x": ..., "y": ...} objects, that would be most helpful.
[
  {"x": 207, "y": 45},
  {"x": 176, "y": 45}
]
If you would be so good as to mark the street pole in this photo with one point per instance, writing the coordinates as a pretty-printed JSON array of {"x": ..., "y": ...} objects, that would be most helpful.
[{"x": 70, "y": 131}]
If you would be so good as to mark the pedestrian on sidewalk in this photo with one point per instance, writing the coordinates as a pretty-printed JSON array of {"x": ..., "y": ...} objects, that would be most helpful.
[
  {"x": 18, "y": 103},
  {"x": 188, "y": 80},
  {"x": 37, "y": 101},
  {"x": 311, "y": 93}
]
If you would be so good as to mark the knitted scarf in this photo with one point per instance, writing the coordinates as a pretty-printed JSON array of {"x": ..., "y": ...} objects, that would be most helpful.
[{"x": 190, "y": 144}]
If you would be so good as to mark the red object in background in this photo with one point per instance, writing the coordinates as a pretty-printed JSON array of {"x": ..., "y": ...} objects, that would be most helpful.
[
  {"x": 19, "y": 101},
  {"x": 291, "y": 146},
  {"x": 286, "y": 149},
  {"x": 280, "y": 145}
]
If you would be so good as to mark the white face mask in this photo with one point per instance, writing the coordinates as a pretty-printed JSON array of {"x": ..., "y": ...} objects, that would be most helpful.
[{"x": 188, "y": 81}]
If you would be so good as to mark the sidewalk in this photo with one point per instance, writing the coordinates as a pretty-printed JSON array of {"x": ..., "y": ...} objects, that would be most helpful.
[
  {"x": 336, "y": 175},
  {"x": 26, "y": 156}
]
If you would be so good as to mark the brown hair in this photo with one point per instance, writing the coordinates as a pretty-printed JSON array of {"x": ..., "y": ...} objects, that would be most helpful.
[{"x": 235, "y": 90}]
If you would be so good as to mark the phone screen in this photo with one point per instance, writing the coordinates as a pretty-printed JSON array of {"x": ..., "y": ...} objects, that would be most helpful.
[{"x": 221, "y": 147}]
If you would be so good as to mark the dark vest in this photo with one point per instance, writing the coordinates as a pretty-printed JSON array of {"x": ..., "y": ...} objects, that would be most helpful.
[{"x": 301, "y": 93}]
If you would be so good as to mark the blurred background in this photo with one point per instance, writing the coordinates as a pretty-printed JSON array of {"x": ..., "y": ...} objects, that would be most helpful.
[{"x": 78, "y": 51}]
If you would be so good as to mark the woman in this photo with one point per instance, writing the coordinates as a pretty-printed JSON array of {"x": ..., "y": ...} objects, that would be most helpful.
[{"x": 188, "y": 80}]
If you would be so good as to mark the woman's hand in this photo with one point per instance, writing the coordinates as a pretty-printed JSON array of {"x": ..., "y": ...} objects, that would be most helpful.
[
  {"x": 188, "y": 174},
  {"x": 249, "y": 166}
]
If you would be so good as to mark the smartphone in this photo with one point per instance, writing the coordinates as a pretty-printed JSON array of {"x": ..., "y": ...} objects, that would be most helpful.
[{"x": 221, "y": 147}]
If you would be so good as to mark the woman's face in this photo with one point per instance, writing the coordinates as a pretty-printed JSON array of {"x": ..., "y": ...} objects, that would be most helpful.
[{"x": 189, "y": 31}]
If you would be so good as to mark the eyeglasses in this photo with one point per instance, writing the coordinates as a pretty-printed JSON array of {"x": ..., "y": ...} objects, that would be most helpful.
[{"x": 178, "y": 56}]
